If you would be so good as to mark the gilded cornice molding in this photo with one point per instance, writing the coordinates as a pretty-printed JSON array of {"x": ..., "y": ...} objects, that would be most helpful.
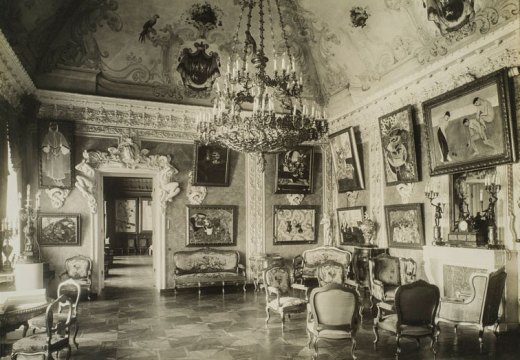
[
  {"x": 14, "y": 80},
  {"x": 122, "y": 117},
  {"x": 492, "y": 52}
]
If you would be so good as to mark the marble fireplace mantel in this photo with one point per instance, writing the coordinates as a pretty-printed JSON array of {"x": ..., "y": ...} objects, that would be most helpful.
[{"x": 436, "y": 257}]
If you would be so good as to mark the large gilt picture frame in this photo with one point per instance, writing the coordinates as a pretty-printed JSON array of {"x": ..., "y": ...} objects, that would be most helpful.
[
  {"x": 56, "y": 154},
  {"x": 471, "y": 126},
  {"x": 295, "y": 224},
  {"x": 398, "y": 145},
  {"x": 404, "y": 225},
  {"x": 294, "y": 171},
  {"x": 211, "y": 225},
  {"x": 347, "y": 165},
  {"x": 211, "y": 165},
  {"x": 59, "y": 229}
]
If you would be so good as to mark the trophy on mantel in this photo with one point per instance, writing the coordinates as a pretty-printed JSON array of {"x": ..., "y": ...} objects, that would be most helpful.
[
  {"x": 439, "y": 210},
  {"x": 368, "y": 227}
]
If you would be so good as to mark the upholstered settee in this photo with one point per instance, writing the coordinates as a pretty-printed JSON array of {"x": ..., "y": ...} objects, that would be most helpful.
[
  {"x": 305, "y": 265},
  {"x": 208, "y": 267}
]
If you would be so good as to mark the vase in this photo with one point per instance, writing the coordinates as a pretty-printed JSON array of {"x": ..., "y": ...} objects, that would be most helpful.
[{"x": 368, "y": 228}]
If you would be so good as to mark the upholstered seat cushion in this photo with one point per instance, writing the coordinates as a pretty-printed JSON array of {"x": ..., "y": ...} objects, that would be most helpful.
[
  {"x": 209, "y": 277},
  {"x": 329, "y": 334},
  {"x": 37, "y": 343},
  {"x": 39, "y": 321},
  {"x": 390, "y": 293},
  {"x": 287, "y": 302},
  {"x": 389, "y": 323}
]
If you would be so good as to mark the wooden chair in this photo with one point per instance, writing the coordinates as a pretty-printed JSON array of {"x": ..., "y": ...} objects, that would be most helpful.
[
  {"x": 131, "y": 246},
  {"x": 415, "y": 308},
  {"x": 55, "y": 338},
  {"x": 142, "y": 246},
  {"x": 72, "y": 290},
  {"x": 481, "y": 309},
  {"x": 277, "y": 283},
  {"x": 79, "y": 268},
  {"x": 333, "y": 314}
]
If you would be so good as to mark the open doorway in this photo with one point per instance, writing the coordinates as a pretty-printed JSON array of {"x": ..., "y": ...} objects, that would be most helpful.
[{"x": 127, "y": 214}]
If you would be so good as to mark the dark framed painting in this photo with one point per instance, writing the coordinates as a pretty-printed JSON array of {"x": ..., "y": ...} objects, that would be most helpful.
[
  {"x": 404, "y": 225},
  {"x": 126, "y": 215},
  {"x": 211, "y": 165},
  {"x": 347, "y": 165},
  {"x": 211, "y": 225},
  {"x": 145, "y": 215},
  {"x": 294, "y": 171},
  {"x": 398, "y": 145},
  {"x": 348, "y": 223},
  {"x": 295, "y": 224},
  {"x": 56, "y": 154},
  {"x": 471, "y": 126},
  {"x": 59, "y": 229}
]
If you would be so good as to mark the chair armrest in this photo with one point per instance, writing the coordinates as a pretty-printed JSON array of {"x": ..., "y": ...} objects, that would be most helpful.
[
  {"x": 377, "y": 290},
  {"x": 272, "y": 290},
  {"x": 352, "y": 283},
  {"x": 241, "y": 269},
  {"x": 301, "y": 287}
]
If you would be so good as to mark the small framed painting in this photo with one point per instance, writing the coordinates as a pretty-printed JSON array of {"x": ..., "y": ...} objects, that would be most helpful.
[
  {"x": 211, "y": 225},
  {"x": 348, "y": 223},
  {"x": 347, "y": 165},
  {"x": 398, "y": 144},
  {"x": 145, "y": 215},
  {"x": 211, "y": 165},
  {"x": 126, "y": 215},
  {"x": 294, "y": 171},
  {"x": 59, "y": 229},
  {"x": 404, "y": 225},
  {"x": 471, "y": 127},
  {"x": 295, "y": 224},
  {"x": 56, "y": 154}
]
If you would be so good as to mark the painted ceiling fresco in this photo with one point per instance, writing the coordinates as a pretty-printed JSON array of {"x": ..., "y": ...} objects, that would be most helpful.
[{"x": 173, "y": 51}]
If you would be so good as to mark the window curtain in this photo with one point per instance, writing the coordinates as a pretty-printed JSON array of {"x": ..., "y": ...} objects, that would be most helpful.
[{"x": 3, "y": 168}]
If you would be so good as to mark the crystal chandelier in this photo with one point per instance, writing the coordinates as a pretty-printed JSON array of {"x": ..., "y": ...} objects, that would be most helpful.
[{"x": 279, "y": 118}]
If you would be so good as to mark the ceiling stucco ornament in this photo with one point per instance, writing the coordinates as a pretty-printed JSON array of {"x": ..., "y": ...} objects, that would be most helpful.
[
  {"x": 449, "y": 15},
  {"x": 405, "y": 191},
  {"x": 295, "y": 199},
  {"x": 127, "y": 155},
  {"x": 195, "y": 194},
  {"x": 57, "y": 196},
  {"x": 14, "y": 80}
]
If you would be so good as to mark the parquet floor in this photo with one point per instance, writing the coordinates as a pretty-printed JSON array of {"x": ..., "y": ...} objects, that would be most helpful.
[{"x": 132, "y": 321}]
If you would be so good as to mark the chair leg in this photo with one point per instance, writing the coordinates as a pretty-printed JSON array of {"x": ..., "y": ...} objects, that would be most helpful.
[
  {"x": 481, "y": 338},
  {"x": 25, "y": 328},
  {"x": 376, "y": 334},
  {"x": 398, "y": 343},
  {"x": 268, "y": 315},
  {"x": 455, "y": 329},
  {"x": 69, "y": 351},
  {"x": 223, "y": 291},
  {"x": 353, "y": 348},
  {"x": 316, "y": 347},
  {"x": 76, "y": 328},
  {"x": 309, "y": 336},
  {"x": 244, "y": 287},
  {"x": 496, "y": 330},
  {"x": 418, "y": 342}
]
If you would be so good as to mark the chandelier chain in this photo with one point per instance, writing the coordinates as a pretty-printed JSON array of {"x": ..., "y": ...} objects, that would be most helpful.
[
  {"x": 284, "y": 34},
  {"x": 271, "y": 27},
  {"x": 235, "y": 37}
]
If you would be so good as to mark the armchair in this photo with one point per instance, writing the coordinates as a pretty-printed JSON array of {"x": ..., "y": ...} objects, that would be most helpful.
[
  {"x": 55, "y": 339},
  {"x": 415, "y": 308},
  {"x": 481, "y": 308},
  {"x": 333, "y": 314},
  {"x": 387, "y": 273},
  {"x": 277, "y": 283},
  {"x": 79, "y": 268}
]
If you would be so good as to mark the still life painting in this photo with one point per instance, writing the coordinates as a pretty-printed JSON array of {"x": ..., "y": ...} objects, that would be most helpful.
[
  {"x": 349, "y": 222},
  {"x": 211, "y": 225},
  {"x": 58, "y": 229},
  {"x": 295, "y": 224},
  {"x": 404, "y": 225},
  {"x": 294, "y": 171}
]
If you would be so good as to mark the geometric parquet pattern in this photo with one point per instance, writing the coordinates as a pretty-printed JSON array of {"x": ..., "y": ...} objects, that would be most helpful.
[{"x": 132, "y": 321}]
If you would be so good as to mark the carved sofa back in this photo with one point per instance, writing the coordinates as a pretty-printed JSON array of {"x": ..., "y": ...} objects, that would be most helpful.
[{"x": 305, "y": 265}]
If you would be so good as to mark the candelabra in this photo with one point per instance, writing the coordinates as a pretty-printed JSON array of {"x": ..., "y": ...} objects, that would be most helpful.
[
  {"x": 29, "y": 215},
  {"x": 7, "y": 231},
  {"x": 493, "y": 189},
  {"x": 439, "y": 209}
]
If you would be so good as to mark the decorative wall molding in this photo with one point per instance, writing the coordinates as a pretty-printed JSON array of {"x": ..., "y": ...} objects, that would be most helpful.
[
  {"x": 57, "y": 196},
  {"x": 352, "y": 198},
  {"x": 405, "y": 191},
  {"x": 493, "y": 51},
  {"x": 255, "y": 216},
  {"x": 122, "y": 117},
  {"x": 127, "y": 155},
  {"x": 14, "y": 80},
  {"x": 295, "y": 199},
  {"x": 195, "y": 194}
]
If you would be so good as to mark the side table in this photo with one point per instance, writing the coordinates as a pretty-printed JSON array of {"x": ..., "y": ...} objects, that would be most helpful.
[
  {"x": 360, "y": 259},
  {"x": 261, "y": 262}
]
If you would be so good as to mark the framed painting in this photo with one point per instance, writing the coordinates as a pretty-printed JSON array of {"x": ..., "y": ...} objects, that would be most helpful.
[
  {"x": 211, "y": 165},
  {"x": 404, "y": 225},
  {"x": 294, "y": 171},
  {"x": 211, "y": 225},
  {"x": 295, "y": 224},
  {"x": 126, "y": 215},
  {"x": 348, "y": 223},
  {"x": 398, "y": 145},
  {"x": 347, "y": 165},
  {"x": 145, "y": 215},
  {"x": 56, "y": 154},
  {"x": 59, "y": 229},
  {"x": 471, "y": 126}
]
